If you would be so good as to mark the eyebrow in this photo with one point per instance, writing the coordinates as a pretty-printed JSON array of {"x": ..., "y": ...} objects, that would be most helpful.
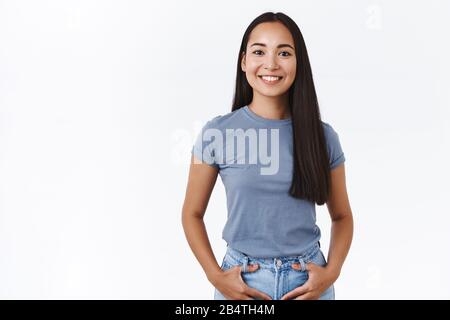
[{"x": 279, "y": 46}]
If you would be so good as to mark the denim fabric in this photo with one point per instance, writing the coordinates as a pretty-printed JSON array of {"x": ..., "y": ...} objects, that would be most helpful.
[{"x": 275, "y": 276}]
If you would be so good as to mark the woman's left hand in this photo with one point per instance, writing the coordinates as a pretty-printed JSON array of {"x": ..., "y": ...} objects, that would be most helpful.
[{"x": 319, "y": 279}]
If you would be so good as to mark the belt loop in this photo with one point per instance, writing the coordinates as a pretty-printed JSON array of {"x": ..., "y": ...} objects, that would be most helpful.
[
  {"x": 302, "y": 264},
  {"x": 244, "y": 264}
]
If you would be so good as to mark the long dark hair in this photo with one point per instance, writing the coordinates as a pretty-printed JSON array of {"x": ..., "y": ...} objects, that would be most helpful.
[{"x": 311, "y": 177}]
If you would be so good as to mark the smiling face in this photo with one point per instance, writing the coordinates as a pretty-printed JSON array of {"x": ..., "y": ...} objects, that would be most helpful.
[{"x": 269, "y": 62}]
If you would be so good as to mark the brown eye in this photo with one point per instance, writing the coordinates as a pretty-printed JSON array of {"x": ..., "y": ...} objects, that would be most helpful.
[
  {"x": 288, "y": 54},
  {"x": 257, "y": 51}
]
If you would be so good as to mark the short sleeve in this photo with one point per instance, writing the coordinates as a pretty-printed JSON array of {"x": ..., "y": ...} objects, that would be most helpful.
[
  {"x": 203, "y": 148},
  {"x": 335, "y": 152}
]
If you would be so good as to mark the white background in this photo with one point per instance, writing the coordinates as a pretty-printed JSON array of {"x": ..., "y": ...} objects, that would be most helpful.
[{"x": 100, "y": 102}]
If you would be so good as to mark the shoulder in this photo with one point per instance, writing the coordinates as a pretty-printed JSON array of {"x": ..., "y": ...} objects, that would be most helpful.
[
  {"x": 329, "y": 131},
  {"x": 224, "y": 120},
  {"x": 334, "y": 147},
  {"x": 327, "y": 127},
  {"x": 331, "y": 136}
]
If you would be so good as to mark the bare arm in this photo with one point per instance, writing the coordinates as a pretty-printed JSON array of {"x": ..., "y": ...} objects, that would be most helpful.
[
  {"x": 342, "y": 221},
  {"x": 201, "y": 181}
]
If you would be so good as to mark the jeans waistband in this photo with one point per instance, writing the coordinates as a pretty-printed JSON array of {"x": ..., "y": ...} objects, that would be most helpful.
[{"x": 244, "y": 259}]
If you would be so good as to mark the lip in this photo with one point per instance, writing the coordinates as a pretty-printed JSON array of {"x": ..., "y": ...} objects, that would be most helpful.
[{"x": 271, "y": 83}]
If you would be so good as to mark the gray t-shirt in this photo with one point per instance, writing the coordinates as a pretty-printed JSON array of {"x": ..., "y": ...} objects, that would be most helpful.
[{"x": 254, "y": 156}]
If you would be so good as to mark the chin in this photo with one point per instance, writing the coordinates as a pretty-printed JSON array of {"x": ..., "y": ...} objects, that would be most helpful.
[{"x": 271, "y": 93}]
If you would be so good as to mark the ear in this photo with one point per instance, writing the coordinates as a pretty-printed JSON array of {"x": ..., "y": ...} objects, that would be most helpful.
[{"x": 243, "y": 61}]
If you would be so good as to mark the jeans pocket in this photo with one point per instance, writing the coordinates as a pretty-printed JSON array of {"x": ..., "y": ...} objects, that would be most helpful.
[
  {"x": 224, "y": 266},
  {"x": 229, "y": 262},
  {"x": 318, "y": 258}
]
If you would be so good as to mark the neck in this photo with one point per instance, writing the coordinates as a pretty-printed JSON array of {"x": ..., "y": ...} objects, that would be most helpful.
[{"x": 275, "y": 108}]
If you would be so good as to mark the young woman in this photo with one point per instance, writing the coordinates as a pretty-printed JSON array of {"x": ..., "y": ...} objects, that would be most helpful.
[{"x": 293, "y": 161}]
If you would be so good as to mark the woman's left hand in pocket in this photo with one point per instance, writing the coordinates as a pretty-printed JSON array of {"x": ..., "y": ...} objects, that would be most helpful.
[{"x": 319, "y": 279}]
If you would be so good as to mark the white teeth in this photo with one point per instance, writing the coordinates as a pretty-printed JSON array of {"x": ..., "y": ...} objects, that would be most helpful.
[{"x": 269, "y": 78}]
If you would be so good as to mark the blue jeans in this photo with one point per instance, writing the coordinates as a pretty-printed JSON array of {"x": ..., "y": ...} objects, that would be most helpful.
[{"x": 275, "y": 276}]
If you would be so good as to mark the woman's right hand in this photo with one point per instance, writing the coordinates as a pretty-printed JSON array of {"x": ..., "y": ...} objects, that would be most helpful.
[{"x": 232, "y": 286}]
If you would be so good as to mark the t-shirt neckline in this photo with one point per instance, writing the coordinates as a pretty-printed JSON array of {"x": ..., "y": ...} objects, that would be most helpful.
[{"x": 260, "y": 119}]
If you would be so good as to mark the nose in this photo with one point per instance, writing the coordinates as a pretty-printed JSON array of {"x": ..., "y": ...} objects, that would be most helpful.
[
  {"x": 271, "y": 63},
  {"x": 272, "y": 66}
]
